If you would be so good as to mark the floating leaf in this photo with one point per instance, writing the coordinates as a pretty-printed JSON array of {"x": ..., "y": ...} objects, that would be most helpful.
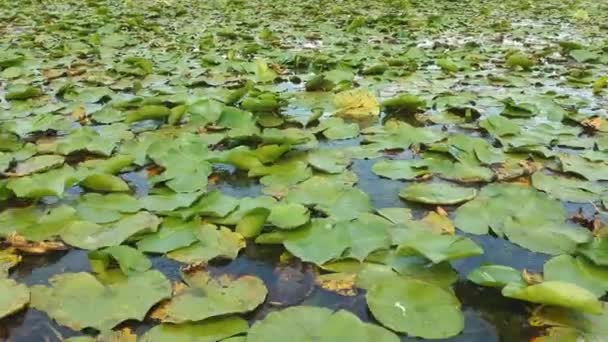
[
  {"x": 213, "y": 242},
  {"x": 356, "y": 103},
  {"x": 207, "y": 297},
  {"x": 88, "y": 235},
  {"x": 288, "y": 215},
  {"x": 211, "y": 330},
  {"x": 577, "y": 271},
  {"x": 557, "y": 293},
  {"x": 495, "y": 275},
  {"x": 524, "y": 215},
  {"x": 307, "y": 323},
  {"x": 417, "y": 308},
  {"x": 100, "y": 208},
  {"x": 79, "y": 300},
  {"x": 13, "y": 296},
  {"x": 437, "y": 193}
]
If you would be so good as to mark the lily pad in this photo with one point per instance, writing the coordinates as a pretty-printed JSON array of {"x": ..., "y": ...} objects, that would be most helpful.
[
  {"x": 88, "y": 235},
  {"x": 437, "y": 193},
  {"x": 416, "y": 308},
  {"x": 207, "y": 297},
  {"x": 13, "y": 297},
  {"x": 80, "y": 301},
  {"x": 288, "y": 215},
  {"x": 307, "y": 323},
  {"x": 556, "y": 293},
  {"x": 211, "y": 330}
]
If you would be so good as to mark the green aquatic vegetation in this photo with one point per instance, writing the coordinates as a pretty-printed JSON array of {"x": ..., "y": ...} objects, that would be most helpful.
[{"x": 270, "y": 152}]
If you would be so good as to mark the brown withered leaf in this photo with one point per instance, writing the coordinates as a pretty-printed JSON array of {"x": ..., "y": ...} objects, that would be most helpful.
[
  {"x": 34, "y": 247},
  {"x": 531, "y": 278},
  {"x": 340, "y": 283}
]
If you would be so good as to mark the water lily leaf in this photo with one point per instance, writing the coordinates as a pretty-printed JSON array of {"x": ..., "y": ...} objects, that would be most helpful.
[
  {"x": 35, "y": 224},
  {"x": 401, "y": 169},
  {"x": 112, "y": 165},
  {"x": 38, "y": 164},
  {"x": 596, "y": 250},
  {"x": 168, "y": 201},
  {"x": 50, "y": 183},
  {"x": 129, "y": 259},
  {"x": 400, "y": 135},
  {"x": 211, "y": 330},
  {"x": 356, "y": 103},
  {"x": 328, "y": 160},
  {"x": 437, "y": 193},
  {"x": 213, "y": 242},
  {"x": 346, "y": 205},
  {"x": 556, "y": 293},
  {"x": 213, "y": 204},
  {"x": 495, "y": 275},
  {"x": 318, "y": 242},
  {"x": 245, "y": 206},
  {"x": 499, "y": 126},
  {"x": 438, "y": 248},
  {"x": 174, "y": 233},
  {"x": 405, "y": 103},
  {"x": 288, "y": 215},
  {"x": 13, "y": 296},
  {"x": 149, "y": 112},
  {"x": 100, "y": 208},
  {"x": 416, "y": 308},
  {"x": 583, "y": 55},
  {"x": 278, "y": 177},
  {"x": 336, "y": 129},
  {"x": 252, "y": 223},
  {"x": 456, "y": 171},
  {"x": 263, "y": 73},
  {"x": 207, "y": 297},
  {"x": 21, "y": 92},
  {"x": 592, "y": 171},
  {"x": 566, "y": 189},
  {"x": 577, "y": 271},
  {"x": 570, "y": 325},
  {"x": 104, "y": 182},
  {"x": 79, "y": 300},
  {"x": 101, "y": 142},
  {"x": 308, "y": 323},
  {"x": 88, "y": 235},
  {"x": 536, "y": 223}
]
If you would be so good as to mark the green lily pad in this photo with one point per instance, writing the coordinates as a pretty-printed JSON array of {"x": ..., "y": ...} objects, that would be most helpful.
[
  {"x": 213, "y": 242},
  {"x": 100, "y": 208},
  {"x": 13, "y": 297},
  {"x": 524, "y": 215},
  {"x": 88, "y": 235},
  {"x": 288, "y": 215},
  {"x": 330, "y": 161},
  {"x": 38, "y": 164},
  {"x": 566, "y": 189},
  {"x": 307, "y": 323},
  {"x": 495, "y": 275},
  {"x": 592, "y": 171},
  {"x": 50, "y": 183},
  {"x": 556, "y": 293},
  {"x": 211, "y": 330},
  {"x": 577, "y": 271},
  {"x": 208, "y": 297},
  {"x": 79, "y": 300},
  {"x": 437, "y": 193},
  {"x": 174, "y": 233},
  {"x": 401, "y": 169},
  {"x": 437, "y": 248},
  {"x": 416, "y": 308}
]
